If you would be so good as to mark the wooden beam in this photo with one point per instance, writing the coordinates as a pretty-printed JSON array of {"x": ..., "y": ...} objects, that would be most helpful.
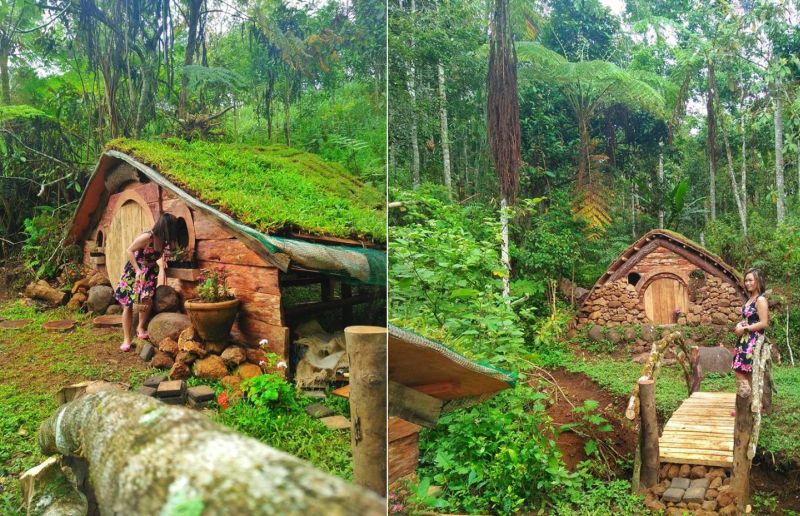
[
  {"x": 413, "y": 405},
  {"x": 301, "y": 281},
  {"x": 648, "y": 434},
  {"x": 325, "y": 306}
]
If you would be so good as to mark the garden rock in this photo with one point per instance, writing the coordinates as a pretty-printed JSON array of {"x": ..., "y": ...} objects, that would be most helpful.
[
  {"x": 167, "y": 324},
  {"x": 716, "y": 359},
  {"x": 318, "y": 410},
  {"x": 166, "y": 299},
  {"x": 147, "y": 391},
  {"x": 233, "y": 356},
  {"x": 98, "y": 279},
  {"x": 641, "y": 358},
  {"x": 114, "y": 309},
  {"x": 42, "y": 290},
  {"x": 170, "y": 389},
  {"x": 231, "y": 382},
  {"x": 700, "y": 482},
  {"x": 698, "y": 472},
  {"x": 185, "y": 357},
  {"x": 596, "y": 333},
  {"x": 161, "y": 361},
  {"x": 655, "y": 505},
  {"x": 648, "y": 333},
  {"x": 685, "y": 470},
  {"x": 194, "y": 348},
  {"x": 716, "y": 483},
  {"x": 728, "y": 510},
  {"x": 99, "y": 299},
  {"x": 336, "y": 422},
  {"x": 716, "y": 472},
  {"x": 180, "y": 371},
  {"x": 147, "y": 352},
  {"x": 712, "y": 494},
  {"x": 76, "y": 302},
  {"x": 255, "y": 356},
  {"x": 709, "y": 505},
  {"x": 614, "y": 337},
  {"x": 630, "y": 334},
  {"x": 168, "y": 346},
  {"x": 215, "y": 347},
  {"x": 726, "y": 498},
  {"x": 247, "y": 371},
  {"x": 211, "y": 367}
]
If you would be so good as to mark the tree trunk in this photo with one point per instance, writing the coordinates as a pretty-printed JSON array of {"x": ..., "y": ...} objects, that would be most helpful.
[
  {"x": 445, "y": 137},
  {"x": 744, "y": 172},
  {"x": 648, "y": 434},
  {"x": 734, "y": 187},
  {"x": 192, "y": 24},
  {"x": 366, "y": 348},
  {"x": 412, "y": 93},
  {"x": 5, "y": 79},
  {"x": 781, "y": 201},
  {"x": 660, "y": 190},
  {"x": 268, "y": 96},
  {"x": 711, "y": 143},
  {"x": 146, "y": 457},
  {"x": 504, "y": 255},
  {"x": 583, "y": 158}
]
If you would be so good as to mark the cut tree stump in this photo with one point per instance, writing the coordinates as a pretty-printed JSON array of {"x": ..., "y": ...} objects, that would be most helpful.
[
  {"x": 107, "y": 321},
  {"x": 14, "y": 325},
  {"x": 62, "y": 325}
]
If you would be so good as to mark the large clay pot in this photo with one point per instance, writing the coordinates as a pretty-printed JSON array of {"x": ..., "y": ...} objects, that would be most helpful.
[{"x": 213, "y": 321}]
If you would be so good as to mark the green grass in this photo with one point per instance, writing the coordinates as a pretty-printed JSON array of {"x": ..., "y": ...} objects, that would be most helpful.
[
  {"x": 270, "y": 188},
  {"x": 35, "y": 364},
  {"x": 778, "y": 430}
]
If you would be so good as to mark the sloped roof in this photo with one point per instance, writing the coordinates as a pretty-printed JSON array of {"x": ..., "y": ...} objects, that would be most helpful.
[
  {"x": 268, "y": 187},
  {"x": 251, "y": 192},
  {"x": 676, "y": 242}
]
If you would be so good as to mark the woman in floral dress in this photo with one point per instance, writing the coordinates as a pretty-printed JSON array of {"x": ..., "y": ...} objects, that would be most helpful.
[
  {"x": 141, "y": 276},
  {"x": 755, "y": 318}
]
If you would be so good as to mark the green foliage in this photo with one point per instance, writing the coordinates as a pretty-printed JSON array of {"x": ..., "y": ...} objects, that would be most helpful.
[
  {"x": 268, "y": 187},
  {"x": 42, "y": 250},
  {"x": 495, "y": 457},
  {"x": 269, "y": 391},
  {"x": 212, "y": 288},
  {"x": 23, "y": 112},
  {"x": 445, "y": 280},
  {"x": 590, "y": 425}
]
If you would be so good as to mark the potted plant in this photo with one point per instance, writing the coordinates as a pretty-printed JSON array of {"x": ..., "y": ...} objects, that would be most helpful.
[{"x": 212, "y": 313}]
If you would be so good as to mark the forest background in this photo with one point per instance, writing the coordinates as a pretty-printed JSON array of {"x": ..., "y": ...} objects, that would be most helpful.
[
  {"x": 74, "y": 75},
  {"x": 677, "y": 114}
]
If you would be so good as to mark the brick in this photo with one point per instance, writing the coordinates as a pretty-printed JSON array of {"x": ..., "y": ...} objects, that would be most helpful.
[
  {"x": 680, "y": 483},
  {"x": 170, "y": 389},
  {"x": 673, "y": 494},
  {"x": 147, "y": 352},
  {"x": 694, "y": 494},
  {"x": 153, "y": 381},
  {"x": 201, "y": 393},
  {"x": 700, "y": 482},
  {"x": 147, "y": 391},
  {"x": 174, "y": 400}
]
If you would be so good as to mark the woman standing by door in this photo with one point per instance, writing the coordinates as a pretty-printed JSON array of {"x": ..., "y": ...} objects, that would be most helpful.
[
  {"x": 141, "y": 276},
  {"x": 755, "y": 318}
]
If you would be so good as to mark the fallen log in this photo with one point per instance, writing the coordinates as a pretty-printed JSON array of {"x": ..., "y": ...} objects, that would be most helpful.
[
  {"x": 42, "y": 290},
  {"x": 149, "y": 458}
]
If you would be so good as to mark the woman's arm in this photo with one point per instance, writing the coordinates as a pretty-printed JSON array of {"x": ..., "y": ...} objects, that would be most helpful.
[
  {"x": 763, "y": 315},
  {"x": 162, "y": 271},
  {"x": 138, "y": 243}
]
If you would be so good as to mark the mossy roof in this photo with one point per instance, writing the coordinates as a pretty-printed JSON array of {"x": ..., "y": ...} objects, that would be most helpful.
[{"x": 272, "y": 188}]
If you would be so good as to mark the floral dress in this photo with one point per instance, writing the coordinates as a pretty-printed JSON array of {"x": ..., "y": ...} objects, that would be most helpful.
[
  {"x": 743, "y": 357},
  {"x": 130, "y": 290}
]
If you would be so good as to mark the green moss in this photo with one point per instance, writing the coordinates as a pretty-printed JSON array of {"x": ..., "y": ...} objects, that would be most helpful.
[
  {"x": 19, "y": 112},
  {"x": 271, "y": 188}
]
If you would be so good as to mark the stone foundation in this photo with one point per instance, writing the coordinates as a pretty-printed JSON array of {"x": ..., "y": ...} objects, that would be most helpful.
[{"x": 692, "y": 489}]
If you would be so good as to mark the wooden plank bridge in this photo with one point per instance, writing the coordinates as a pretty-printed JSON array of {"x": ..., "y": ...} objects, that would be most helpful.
[{"x": 700, "y": 431}]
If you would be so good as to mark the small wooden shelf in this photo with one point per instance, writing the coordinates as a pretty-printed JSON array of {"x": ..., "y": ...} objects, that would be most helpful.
[
  {"x": 183, "y": 274},
  {"x": 98, "y": 260}
]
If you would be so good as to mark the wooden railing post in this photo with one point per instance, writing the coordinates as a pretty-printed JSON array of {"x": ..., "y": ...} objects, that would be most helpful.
[
  {"x": 366, "y": 348},
  {"x": 740, "y": 478},
  {"x": 648, "y": 434}
]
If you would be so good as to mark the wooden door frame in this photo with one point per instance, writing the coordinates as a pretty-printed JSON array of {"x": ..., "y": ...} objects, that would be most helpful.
[{"x": 658, "y": 276}]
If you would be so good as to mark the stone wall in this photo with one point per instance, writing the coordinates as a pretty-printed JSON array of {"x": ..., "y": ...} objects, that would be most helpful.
[
  {"x": 613, "y": 304},
  {"x": 713, "y": 301}
]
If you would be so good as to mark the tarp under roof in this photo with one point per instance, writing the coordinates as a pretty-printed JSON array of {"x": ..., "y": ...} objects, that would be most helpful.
[{"x": 416, "y": 361}]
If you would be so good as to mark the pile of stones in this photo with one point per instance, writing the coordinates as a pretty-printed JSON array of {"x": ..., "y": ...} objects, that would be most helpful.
[
  {"x": 174, "y": 392},
  {"x": 696, "y": 490}
]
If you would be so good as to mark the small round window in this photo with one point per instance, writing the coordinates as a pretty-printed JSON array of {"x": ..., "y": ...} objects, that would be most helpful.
[
  {"x": 182, "y": 237},
  {"x": 633, "y": 278}
]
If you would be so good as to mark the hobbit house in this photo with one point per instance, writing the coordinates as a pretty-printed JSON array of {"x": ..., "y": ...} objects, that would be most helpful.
[
  {"x": 299, "y": 238},
  {"x": 664, "y": 278}
]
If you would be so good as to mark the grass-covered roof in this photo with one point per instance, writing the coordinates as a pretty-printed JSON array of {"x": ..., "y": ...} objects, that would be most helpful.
[{"x": 268, "y": 187}]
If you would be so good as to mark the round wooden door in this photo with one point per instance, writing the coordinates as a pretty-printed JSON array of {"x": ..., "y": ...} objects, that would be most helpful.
[
  {"x": 662, "y": 297},
  {"x": 129, "y": 221}
]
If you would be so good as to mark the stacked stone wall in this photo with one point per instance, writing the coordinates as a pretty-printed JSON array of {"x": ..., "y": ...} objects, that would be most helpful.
[
  {"x": 715, "y": 301},
  {"x": 613, "y": 304}
]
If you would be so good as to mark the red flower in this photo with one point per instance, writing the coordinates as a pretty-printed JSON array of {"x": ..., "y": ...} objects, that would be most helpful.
[{"x": 222, "y": 400}]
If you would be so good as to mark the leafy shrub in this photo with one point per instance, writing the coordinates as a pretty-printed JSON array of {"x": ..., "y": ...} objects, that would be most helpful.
[
  {"x": 269, "y": 391},
  {"x": 43, "y": 251},
  {"x": 495, "y": 457}
]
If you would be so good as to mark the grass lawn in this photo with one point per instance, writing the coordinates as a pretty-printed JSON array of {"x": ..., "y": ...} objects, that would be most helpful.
[
  {"x": 778, "y": 430},
  {"x": 35, "y": 364}
]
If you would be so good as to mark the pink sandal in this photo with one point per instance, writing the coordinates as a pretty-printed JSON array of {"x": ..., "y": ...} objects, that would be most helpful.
[
  {"x": 142, "y": 336},
  {"x": 125, "y": 347}
]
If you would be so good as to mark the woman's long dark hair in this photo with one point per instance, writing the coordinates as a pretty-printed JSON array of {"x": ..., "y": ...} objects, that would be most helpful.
[
  {"x": 761, "y": 283},
  {"x": 165, "y": 230}
]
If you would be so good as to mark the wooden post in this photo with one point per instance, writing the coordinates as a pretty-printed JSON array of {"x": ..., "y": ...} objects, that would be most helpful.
[
  {"x": 347, "y": 310},
  {"x": 648, "y": 434},
  {"x": 366, "y": 348},
  {"x": 740, "y": 478}
]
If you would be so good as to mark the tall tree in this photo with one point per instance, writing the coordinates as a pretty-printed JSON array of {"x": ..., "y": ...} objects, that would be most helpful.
[{"x": 503, "y": 120}]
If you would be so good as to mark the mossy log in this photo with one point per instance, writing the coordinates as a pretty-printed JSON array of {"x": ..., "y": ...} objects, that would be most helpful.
[
  {"x": 149, "y": 458},
  {"x": 50, "y": 489},
  {"x": 652, "y": 366}
]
